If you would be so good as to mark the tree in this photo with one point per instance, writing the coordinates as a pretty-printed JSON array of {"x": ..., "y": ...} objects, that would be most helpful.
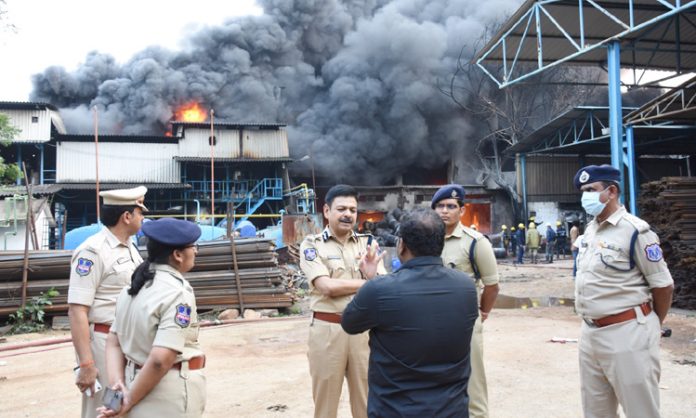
[
  {"x": 502, "y": 117},
  {"x": 9, "y": 173}
]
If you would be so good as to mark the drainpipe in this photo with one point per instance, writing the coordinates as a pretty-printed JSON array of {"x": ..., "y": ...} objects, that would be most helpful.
[
  {"x": 14, "y": 200},
  {"x": 198, "y": 210}
]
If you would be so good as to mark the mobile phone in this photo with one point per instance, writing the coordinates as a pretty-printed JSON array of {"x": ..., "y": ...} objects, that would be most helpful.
[
  {"x": 97, "y": 385},
  {"x": 113, "y": 399},
  {"x": 369, "y": 241}
]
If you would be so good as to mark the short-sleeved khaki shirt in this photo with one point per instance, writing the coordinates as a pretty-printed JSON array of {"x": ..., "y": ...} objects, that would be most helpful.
[
  {"x": 605, "y": 284},
  {"x": 162, "y": 314},
  {"x": 100, "y": 267},
  {"x": 323, "y": 255},
  {"x": 456, "y": 254}
]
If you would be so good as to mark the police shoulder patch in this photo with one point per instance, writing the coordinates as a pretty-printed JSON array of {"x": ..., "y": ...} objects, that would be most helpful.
[
  {"x": 182, "y": 317},
  {"x": 653, "y": 252},
  {"x": 84, "y": 266},
  {"x": 310, "y": 254}
]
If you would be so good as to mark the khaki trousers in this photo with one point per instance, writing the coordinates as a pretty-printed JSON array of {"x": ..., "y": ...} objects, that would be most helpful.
[
  {"x": 477, "y": 389},
  {"x": 334, "y": 355},
  {"x": 180, "y": 394},
  {"x": 620, "y": 364},
  {"x": 98, "y": 345}
]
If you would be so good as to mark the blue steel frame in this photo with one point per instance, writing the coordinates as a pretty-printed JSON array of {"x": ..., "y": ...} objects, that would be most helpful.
[
  {"x": 619, "y": 149},
  {"x": 588, "y": 128},
  {"x": 539, "y": 10}
]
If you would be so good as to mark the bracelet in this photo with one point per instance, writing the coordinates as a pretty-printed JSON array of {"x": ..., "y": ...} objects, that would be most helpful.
[{"x": 87, "y": 364}]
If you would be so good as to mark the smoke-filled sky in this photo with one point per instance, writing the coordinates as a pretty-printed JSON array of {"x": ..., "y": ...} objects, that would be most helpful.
[{"x": 356, "y": 80}]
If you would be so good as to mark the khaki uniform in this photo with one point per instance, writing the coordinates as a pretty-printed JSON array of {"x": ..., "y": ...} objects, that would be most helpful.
[
  {"x": 456, "y": 255},
  {"x": 619, "y": 363},
  {"x": 333, "y": 354},
  {"x": 100, "y": 267},
  {"x": 162, "y": 314}
]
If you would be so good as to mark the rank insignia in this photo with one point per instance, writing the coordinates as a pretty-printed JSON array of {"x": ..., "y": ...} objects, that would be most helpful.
[
  {"x": 84, "y": 266},
  {"x": 310, "y": 254},
  {"x": 653, "y": 252},
  {"x": 183, "y": 315},
  {"x": 584, "y": 176}
]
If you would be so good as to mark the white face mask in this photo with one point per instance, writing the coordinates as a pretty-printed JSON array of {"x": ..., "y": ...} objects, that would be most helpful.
[{"x": 591, "y": 203}]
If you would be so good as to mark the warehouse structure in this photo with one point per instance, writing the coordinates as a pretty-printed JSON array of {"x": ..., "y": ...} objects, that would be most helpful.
[{"x": 240, "y": 168}]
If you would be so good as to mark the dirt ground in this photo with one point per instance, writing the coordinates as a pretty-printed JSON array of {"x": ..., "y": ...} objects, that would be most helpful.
[{"x": 259, "y": 369}]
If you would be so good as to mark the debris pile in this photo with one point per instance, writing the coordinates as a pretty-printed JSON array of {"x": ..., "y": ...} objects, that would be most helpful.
[
  {"x": 669, "y": 206},
  {"x": 213, "y": 278}
]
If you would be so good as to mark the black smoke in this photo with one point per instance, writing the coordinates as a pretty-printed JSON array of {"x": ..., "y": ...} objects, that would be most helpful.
[{"x": 356, "y": 80}]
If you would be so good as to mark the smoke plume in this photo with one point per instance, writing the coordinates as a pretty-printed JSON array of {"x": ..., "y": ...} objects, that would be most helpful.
[{"x": 356, "y": 80}]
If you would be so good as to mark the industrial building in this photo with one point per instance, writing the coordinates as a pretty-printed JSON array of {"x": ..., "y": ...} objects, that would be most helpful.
[{"x": 240, "y": 168}]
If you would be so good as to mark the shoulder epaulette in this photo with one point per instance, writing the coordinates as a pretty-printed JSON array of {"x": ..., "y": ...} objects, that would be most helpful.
[{"x": 640, "y": 225}]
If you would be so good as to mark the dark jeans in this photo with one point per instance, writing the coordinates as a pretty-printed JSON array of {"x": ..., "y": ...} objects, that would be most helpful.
[
  {"x": 575, "y": 262},
  {"x": 520, "y": 254}
]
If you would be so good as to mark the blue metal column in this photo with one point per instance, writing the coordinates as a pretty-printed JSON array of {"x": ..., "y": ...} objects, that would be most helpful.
[
  {"x": 632, "y": 172},
  {"x": 41, "y": 149},
  {"x": 615, "y": 113},
  {"x": 523, "y": 170}
]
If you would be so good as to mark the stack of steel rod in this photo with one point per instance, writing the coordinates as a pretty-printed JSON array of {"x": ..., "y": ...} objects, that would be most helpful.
[
  {"x": 669, "y": 206},
  {"x": 213, "y": 278}
]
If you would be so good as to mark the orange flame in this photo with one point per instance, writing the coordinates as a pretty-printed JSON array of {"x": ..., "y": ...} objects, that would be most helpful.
[{"x": 190, "y": 112}]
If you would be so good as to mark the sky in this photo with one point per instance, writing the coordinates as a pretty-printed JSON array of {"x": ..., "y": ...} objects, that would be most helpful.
[{"x": 50, "y": 32}]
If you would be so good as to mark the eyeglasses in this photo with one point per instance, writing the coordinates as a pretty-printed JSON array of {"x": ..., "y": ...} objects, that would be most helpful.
[
  {"x": 194, "y": 246},
  {"x": 448, "y": 206}
]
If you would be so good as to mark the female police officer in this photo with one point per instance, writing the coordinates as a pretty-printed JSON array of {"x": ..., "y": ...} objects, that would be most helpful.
[{"x": 152, "y": 351}]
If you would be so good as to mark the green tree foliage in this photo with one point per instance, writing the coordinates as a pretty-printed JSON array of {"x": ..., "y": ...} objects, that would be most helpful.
[
  {"x": 31, "y": 317},
  {"x": 9, "y": 173}
]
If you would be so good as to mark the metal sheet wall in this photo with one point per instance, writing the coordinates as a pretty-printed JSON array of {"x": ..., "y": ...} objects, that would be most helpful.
[
  {"x": 118, "y": 162},
  {"x": 39, "y": 131},
  {"x": 551, "y": 175},
  {"x": 195, "y": 143},
  {"x": 265, "y": 144}
]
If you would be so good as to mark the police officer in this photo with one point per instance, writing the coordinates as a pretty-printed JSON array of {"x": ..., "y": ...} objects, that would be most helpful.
[
  {"x": 100, "y": 267},
  {"x": 623, "y": 291},
  {"x": 153, "y": 354},
  {"x": 336, "y": 263},
  {"x": 469, "y": 251}
]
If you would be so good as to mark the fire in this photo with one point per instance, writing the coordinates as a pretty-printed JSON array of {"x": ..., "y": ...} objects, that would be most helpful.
[{"x": 190, "y": 112}]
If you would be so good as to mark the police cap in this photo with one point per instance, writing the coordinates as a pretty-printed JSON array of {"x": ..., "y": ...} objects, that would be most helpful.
[
  {"x": 450, "y": 191},
  {"x": 125, "y": 197},
  {"x": 172, "y": 232},
  {"x": 595, "y": 173}
]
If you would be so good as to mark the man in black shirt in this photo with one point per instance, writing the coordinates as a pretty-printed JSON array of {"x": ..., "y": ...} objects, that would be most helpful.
[{"x": 420, "y": 320}]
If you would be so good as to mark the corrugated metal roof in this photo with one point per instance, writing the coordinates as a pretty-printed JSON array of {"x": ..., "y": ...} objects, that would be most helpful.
[
  {"x": 564, "y": 120},
  {"x": 26, "y": 106},
  {"x": 677, "y": 104},
  {"x": 230, "y": 124},
  {"x": 36, "y": 189},
  {"x": 648, "y": 140},
  {"x": 652, "y": 46},
  {"x": 233, "y": 160},
  {"x": 155, "y": 139},
  {"x": 110, "y": 186}
]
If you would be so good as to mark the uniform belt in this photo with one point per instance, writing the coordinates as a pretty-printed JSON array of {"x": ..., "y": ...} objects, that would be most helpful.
[
  {"x": 334, "y": 318},
  {"x": 103, "y": 328},
  {"x": 194, "y": 363},
  {"x": 624, "y": 316}
]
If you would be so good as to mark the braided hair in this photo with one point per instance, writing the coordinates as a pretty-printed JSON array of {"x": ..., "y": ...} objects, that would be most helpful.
[{"x": 156, "y": 253}]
